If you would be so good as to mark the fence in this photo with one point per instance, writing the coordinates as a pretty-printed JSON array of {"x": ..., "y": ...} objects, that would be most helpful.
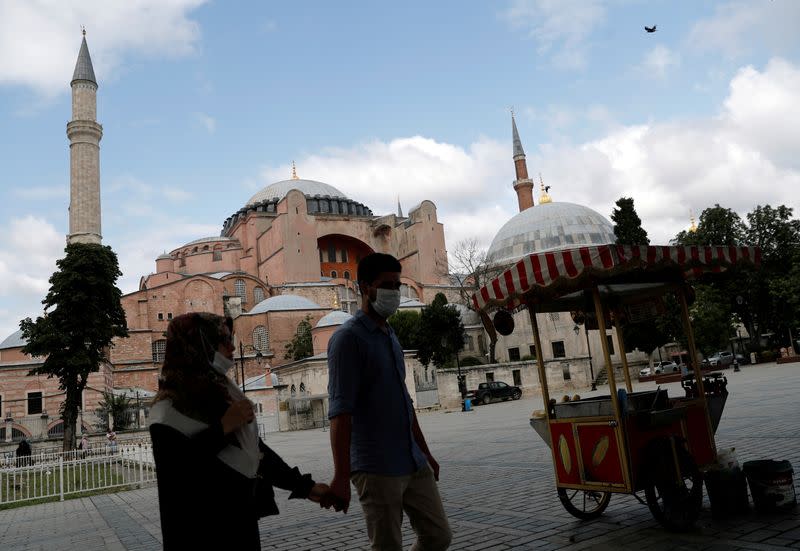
[{"x": 55, "y": 475}]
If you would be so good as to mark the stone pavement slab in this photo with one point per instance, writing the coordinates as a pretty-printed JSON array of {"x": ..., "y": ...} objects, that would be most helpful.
[{"x": 496, "y": 481}]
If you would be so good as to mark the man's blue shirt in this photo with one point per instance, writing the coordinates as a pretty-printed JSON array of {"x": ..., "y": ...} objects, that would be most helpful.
[{"x": 366, "y": 378}]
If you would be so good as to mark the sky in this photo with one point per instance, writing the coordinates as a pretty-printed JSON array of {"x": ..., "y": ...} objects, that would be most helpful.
[{"x": 204, "y": 102}]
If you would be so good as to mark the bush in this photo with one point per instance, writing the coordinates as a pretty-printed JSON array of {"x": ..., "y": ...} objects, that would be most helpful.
[
  {"x": 767, "y": 356},
  {"x": 470, "y": 361}
]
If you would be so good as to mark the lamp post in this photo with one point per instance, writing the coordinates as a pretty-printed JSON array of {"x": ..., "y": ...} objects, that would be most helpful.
[
  {"x": 577, "y": 330},
  {"x": 241, "y": 361}
]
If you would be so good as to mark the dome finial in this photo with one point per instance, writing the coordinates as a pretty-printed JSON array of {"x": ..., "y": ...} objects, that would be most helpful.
[
  {"x": 83, "y": 30},
  {"x": 543, "y": 196},
  {"x": 294, "y": 172},
  {"x": 693, "y": 226}
]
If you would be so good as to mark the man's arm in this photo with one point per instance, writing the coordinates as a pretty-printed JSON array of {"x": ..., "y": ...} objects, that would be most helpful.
[
  {"x": 420, "y": 439},
  {"x": 341, "y": 427}
]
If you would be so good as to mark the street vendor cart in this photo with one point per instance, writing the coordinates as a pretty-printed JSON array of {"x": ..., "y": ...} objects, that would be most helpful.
[{"x": 624, "y": 442}]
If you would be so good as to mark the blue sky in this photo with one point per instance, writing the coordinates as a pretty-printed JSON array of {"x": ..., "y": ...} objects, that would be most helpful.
[{"x": 203, "y": 103}]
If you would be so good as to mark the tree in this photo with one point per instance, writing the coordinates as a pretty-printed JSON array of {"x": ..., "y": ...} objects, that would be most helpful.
[
  {"x": 473, "y": 270},
  {"x": 301, "y": 346},
  {"x": 82, "y": 316},
  {"x": 117, "y": 405},
  {"x": 406, "y": 325},
  {"x": 718, "y": 226},
  {"x": 441, "y": 332},
  {"x": 627, "y": 224},
  {"x": 712, "y": 320}
]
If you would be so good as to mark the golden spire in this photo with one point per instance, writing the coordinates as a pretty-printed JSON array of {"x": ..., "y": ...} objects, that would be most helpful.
[
  {"x": 693, "y": 227},
  {"x": 336, "y": 300},
  {"x": 294, "y": 172},
  {"x": 543, "y": 196}
]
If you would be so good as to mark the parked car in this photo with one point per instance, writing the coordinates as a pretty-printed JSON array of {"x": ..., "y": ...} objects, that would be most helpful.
[
  {"x": 742, "y": 360},
  {"x": 666, "y": 367},
  {"x": 721, "y": 359},
  {"x": 495, "y": 390},
  {"x": 644, "y": 372}
]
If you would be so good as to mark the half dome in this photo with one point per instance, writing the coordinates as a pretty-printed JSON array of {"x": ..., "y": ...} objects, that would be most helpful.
[
  {"x": 310, "y": 188},
  {"x": 282, "y": 303},
  {"x": 14, "y": 340},
  {"x": 549, "y": 227},
  {"x": 337, "y": 317}
]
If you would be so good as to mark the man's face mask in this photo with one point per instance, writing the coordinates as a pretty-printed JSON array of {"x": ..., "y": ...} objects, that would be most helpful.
[{"x": 386, "y": 302}]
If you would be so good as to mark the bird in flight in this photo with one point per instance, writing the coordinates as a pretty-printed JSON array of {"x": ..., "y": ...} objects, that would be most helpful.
[
  {"x": 650, "y": 29},
  {"x": 546, "y": 189}
]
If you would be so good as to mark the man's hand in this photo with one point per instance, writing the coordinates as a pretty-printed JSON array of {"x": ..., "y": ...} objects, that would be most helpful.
[
  {"x": 435, "y": 466},
  {"x": 340, "y": 492},
  {"x": 318, "y": 493},
  {"x": 238, "y": 414}
]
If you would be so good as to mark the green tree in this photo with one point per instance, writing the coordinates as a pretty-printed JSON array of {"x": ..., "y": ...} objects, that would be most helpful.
[
  {"x": 301, "y": 346},
  {"x": 712, "y": 320},
  {"x": 441, "y": 332},
  {"x": 718, "y": 226},
  {"x": 82, "y": 315},
  {"x": 627, "y": 224},
  {"x": 117, "y": 405},
  {"x": 406, "y": 325}
]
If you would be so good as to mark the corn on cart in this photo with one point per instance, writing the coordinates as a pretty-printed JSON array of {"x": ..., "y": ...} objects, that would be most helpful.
[{"x": 625, "y": 442}]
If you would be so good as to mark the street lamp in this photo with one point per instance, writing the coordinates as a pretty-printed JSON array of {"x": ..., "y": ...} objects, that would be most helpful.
[
  {"x": 462, "y": 386},
  {"x": 577, "y": 330},
  {"x": 241, "y": 361}
]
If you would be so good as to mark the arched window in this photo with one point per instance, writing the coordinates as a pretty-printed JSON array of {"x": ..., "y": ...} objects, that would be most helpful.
[
  {"x": 258, "y": 295},
  {"x": 293, "y": 391},
  {"x": 302, "y": 388},
  {"x": 159, "y": 347},
  {"x": 240, "y": 290},
  {"x": 261, "y": 338},
  {"x": 303, "y": 329},
  {"x": 334, "y": 274},
  {"x": 346, "y": 274}
]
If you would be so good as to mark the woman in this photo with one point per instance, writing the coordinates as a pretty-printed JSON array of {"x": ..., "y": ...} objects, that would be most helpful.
[{"x": 215, "y": 475}]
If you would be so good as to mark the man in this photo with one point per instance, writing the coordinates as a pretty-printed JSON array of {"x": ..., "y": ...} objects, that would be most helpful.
[{"x": 375, "y": 437}]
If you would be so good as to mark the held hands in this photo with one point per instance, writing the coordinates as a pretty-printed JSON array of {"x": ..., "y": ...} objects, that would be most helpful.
[
  {"x": 339, "y": 494},
  {"x": 238, "y": 414},
  {"x": 322, "y": 494}
]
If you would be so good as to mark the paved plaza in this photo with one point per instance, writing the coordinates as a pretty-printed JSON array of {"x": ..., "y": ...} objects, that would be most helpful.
[{"x": 496, "y": 481}]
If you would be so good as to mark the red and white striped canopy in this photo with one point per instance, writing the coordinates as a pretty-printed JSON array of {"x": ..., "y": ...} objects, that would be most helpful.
[{"x": 568, "y": 270}]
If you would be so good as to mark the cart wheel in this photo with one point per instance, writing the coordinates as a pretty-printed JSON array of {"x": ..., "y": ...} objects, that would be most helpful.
[
  {"x": 486, "y": 399},
  {"x": 674, "y": 498},
  {"x": 584, "y": 504},
  {"x": 517, "y": 395}
]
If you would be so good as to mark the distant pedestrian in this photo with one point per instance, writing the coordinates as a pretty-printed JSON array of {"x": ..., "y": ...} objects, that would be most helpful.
[
  {"x": 23, "y": 453},
  {"x": 111, "y": 436},
  {"x": 375, "y": 437},
  {"x": 85, "y": 445}
]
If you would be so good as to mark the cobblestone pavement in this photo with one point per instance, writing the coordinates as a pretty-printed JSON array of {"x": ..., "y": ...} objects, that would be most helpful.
[{"x": 496, "y": 481}]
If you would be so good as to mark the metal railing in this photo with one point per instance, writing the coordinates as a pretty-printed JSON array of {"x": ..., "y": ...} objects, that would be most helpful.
[{"x": 50, "y": 476}]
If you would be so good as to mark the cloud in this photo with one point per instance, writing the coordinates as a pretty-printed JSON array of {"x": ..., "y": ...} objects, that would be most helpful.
[
  {"x": 42, "y": 193},
  {"x": 561, "y": 28},
  {"x": 740, "y": 157},
  {"x": 658, "y": 61},
  {"x": 206, "y": 121},
  {"x": 39, "y": 39},
  {"x": 740, "y": 26},
  {"x": 142, "y": 197}
]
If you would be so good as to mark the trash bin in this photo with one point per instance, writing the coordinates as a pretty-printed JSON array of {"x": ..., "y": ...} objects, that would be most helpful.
[
  {"x": 727, "y": 492},
  {"x": 771, "y": 484},
  {"x": 467, "y": 404}
]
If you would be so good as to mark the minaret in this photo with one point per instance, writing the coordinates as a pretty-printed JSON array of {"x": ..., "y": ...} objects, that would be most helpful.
[
  {"x": 84, "y": 154},
  {"x": 522, "y": 185},
  {"x": 399, "y": 209}
]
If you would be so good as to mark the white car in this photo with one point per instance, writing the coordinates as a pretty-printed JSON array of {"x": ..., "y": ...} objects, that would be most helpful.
[
  {"x": 644, "y": 372},
  {"x": 666, "y": 367}
]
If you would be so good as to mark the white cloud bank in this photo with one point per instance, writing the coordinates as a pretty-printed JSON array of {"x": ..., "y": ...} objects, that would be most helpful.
[{"x": 39, "y": 39}]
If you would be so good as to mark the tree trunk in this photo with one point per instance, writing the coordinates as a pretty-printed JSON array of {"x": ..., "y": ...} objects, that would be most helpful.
[
  {"x": 70, "y": 417},
  {"x": 492, "y": 346}
]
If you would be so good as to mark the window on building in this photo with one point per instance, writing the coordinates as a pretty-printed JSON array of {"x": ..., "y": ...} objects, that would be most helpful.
[
  {"x": 293, "y": 391},
  {"x": 159, "y": 347},
  {"x": 344, "y": 255},
  {"x": 532, "y": 350},
  {"x": 331, "y": 253},
  {"x": 334, "y": 274},
  {"x": 489, "y": 377},
  {"x": 261, "y": 338},
  {"x": 240, "y": 289},
  {"x": 517, "y": 376},
  {"x": 34, "y": 403},
  {"x": 182, "y": 261},
  {"x": 303, "y": 329},
  {"x": 320, "y": 255},
  {"x": 258, "y": 295},
  {"x": 559, "y": 350},
  {"x": 470, "y": 343},
  {"x": 169, "y": 315},
  {"x": 610, "y": 341},
  {"x": 302, "y": 388},
  {"x": 346, "y": 274},
  {"x": 1, "y": 407},
  {"x": 555, "y": 316},
  {"x": 217, "y": 256},
  {"x": 513, "y": 354},
  {"x": 161, "y": 316},
  {"x": 260, "y": 407},
  {"x": 565, "y": 371}
]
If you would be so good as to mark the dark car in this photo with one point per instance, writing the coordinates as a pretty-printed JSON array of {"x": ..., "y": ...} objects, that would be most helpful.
[{"x": 495, "y": 390}]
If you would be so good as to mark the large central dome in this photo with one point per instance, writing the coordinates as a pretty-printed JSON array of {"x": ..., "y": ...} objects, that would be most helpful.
[
  {"x": 549, "y": 227},
  {"x": 278, "y": 190}
]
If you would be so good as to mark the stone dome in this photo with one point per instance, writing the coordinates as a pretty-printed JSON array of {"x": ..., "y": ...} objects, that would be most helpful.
[
  {"x": 310, "y": 188},
  {"x": 337, "y": 317},
  {"x": 549, "y": 227},
  {"x": 280, "y": 303},
  {"x": 14, "y": 340}
]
